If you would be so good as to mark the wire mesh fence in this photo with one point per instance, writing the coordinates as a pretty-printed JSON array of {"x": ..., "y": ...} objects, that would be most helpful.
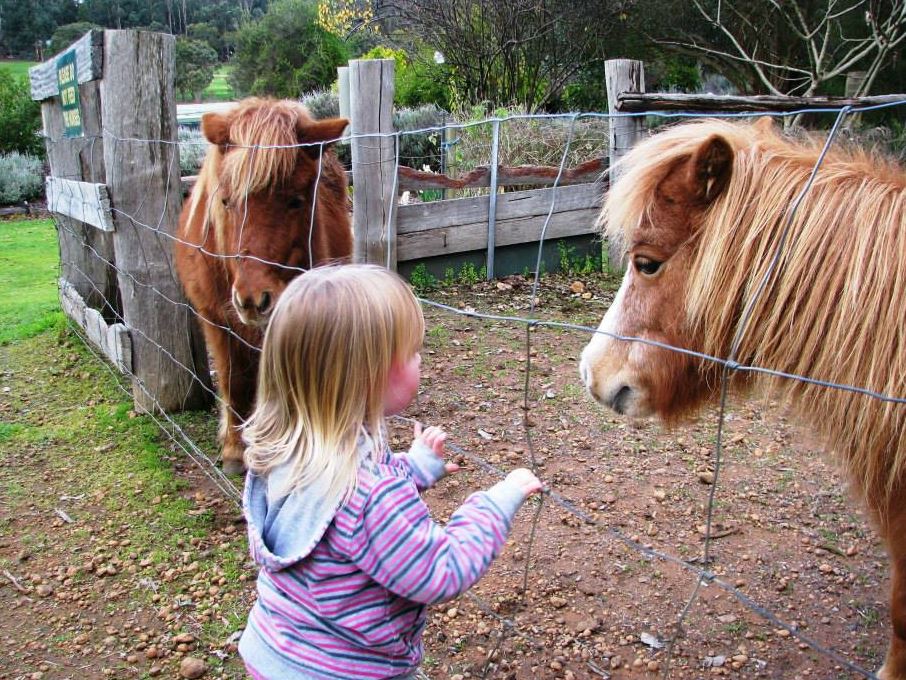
[{"x": 664, "y": 633}]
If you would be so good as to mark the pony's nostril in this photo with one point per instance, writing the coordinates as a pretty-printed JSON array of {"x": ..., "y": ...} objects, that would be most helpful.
[
  {"x": 583, "y": 374},
  {"x": 619, "y": 401},
  {"x": 265, "y": 303}
]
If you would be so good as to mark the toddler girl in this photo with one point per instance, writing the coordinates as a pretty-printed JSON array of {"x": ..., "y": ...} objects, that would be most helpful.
[{"x": 349, "y": 556}]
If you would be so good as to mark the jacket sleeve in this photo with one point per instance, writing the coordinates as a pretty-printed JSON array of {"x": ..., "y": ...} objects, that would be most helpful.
[
  {"x": 398, "y": 544},
  {"x": 425, "y": 468}
]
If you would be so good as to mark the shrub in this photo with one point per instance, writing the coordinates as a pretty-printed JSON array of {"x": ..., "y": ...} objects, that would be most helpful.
[
  {"x": 67, "y": 34},
  {"x": 285, "y": 52},
  {"x": 192, "y": 149},
  {"x": 417, "y": 81},
  {"x": 21, "y": 178},
  {"x": 195, "y": 62},
  {"x": 20, "y": 117}
]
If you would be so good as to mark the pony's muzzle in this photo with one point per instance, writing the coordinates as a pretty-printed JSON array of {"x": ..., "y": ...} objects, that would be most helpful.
[{"x": 253, "y": 309}]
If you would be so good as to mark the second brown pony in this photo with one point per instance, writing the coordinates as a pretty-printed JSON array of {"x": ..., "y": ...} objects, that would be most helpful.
[
  {"x": 702, "y": 209},
  {"x": 270, "y": 201}
]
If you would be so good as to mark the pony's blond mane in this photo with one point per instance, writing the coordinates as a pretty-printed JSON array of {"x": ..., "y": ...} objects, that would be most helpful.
[
  {"x": 833, "y": 307},
  {"x": 262, "y": 154}
]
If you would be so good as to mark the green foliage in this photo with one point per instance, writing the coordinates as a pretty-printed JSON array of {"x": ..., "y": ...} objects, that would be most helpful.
[
  {"x": 21, "y": 178},
  {"x": 422, "y": 280},
  {"x": 417, "y": 81},
  {"x": 286, "y": 52},
  {"x": 20, "y": 117},
  {"x": 575, "y": 265},
  {"x": 67, "y": 34},
  {"x": 192, "y": 149},
  {"x": 321, "y": 104},
  {"x": 195, "y": 63},
  {"x": 220, "y": 89},
  {"x": 525, "y": 141}
]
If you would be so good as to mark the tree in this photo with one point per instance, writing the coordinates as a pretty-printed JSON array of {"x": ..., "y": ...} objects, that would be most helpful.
[
  {"x": 509, "y": 51},
  {"x": 286, "y": 52},
  {"x": 195, "y": 64},
  {"x": 67, "y": 34},
  {"x": 20, "y": 117},
  {"x": 793, "y": 47}
]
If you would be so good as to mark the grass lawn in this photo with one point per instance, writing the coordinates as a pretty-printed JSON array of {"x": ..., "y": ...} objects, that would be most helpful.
[
  {"x": 29, "y": 264},
  {"x": 219, "y": 89},
  {"x": 18, "y": 68}
]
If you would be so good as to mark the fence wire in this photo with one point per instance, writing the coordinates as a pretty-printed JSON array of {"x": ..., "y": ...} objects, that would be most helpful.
[{"x": 508, "y": 627}]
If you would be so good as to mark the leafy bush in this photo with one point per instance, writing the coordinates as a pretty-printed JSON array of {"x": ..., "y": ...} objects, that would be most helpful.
[
  {"x": 195, "y": 63},
  {"x": 192, "y": 149},
  {"x": 525, "y": 141},
  {"x": 285, "y": 52},
  {"x": 322, "y": 104},
  {"x": 418, "y": 81},
  {"x": 67, "y": 34},
  {"x": 20, "y": 117},
  {"x": 21, "y": 178}
]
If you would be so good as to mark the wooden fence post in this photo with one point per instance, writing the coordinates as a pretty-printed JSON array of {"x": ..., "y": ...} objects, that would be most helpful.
[
  {"x": 622, "y": 75},
  {"x": 85, "y": 251},
  {"x": 374, "y": 163},
  {"x": 141, "y": 155}
]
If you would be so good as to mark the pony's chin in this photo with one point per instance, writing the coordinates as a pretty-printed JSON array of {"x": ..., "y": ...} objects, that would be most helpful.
[
  {"x": 253, "y": 321},
  {"x": 625, "y": 400}
]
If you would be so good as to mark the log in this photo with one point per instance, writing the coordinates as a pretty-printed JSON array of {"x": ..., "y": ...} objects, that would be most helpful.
[{"x": 639, "y": 102}]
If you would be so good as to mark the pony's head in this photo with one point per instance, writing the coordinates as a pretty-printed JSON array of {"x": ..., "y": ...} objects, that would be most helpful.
[
  {"x": 262, "y": 177},
  {"x": 669, "y": 185}
]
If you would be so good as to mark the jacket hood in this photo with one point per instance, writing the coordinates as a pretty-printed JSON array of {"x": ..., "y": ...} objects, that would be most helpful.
[{"x": 283, "y": 530}]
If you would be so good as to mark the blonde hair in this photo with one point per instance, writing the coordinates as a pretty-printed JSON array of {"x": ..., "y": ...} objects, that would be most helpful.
[{"x": 327, "y": 354}]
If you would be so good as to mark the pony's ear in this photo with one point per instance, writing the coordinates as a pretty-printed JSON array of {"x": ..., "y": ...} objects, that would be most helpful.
[
  {"x": 329, "y": 130},
  {"x": 710, "y": 169},
  {"x": 216, "y": 128}
]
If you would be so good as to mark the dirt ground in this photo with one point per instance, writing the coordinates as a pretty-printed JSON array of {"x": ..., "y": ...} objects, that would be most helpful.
[{"x": 79, "y": 603}]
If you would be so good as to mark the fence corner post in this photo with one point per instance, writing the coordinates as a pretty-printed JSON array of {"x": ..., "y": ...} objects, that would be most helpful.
[
  {"x": 622, "y": 75},
  {"x": 141, "y": 157},
  {"x": 374, "y": 161}
]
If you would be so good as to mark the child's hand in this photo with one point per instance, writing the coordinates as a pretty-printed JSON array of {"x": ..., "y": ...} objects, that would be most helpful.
[
  {"x": 525, "y": 480},
  {"x": 434, "y": 438}
]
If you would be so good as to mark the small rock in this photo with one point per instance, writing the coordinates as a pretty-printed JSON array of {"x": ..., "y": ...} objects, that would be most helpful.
[
  {"x": 577, "y": 287},
  {"x": 706, "y": 477},
  {"x": 44, "y": 590},
  {"x": 190, "y": 667}
]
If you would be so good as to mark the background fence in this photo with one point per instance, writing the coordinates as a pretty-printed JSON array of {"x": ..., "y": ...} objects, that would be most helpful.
[{"x": 115, "y": 192}]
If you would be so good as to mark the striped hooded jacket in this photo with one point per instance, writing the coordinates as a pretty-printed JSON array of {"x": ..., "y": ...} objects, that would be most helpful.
[{"x": 343, "y": 589}]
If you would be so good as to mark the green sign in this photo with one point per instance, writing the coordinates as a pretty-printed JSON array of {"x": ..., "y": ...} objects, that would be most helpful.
[{"x": 68, "y": 83}]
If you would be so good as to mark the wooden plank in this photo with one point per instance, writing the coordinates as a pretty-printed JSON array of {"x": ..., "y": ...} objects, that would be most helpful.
[
  {"x": 417, "y": 245},
  {"x": 622, "y": 76},
  {"x": 89, "y": 51},
  {"x": 85, "y": 251},
  {"x": 519, "y": 175},
  {"x": 112, "y": 340},
  {"x": 170, "y": 369},
  {"x": 373, "y": 160},
  {"x": 85, "y": 201},
  {"x": 512, "y": 205},
  {"x": 640, "y": 102},
  {"x": 460, "y": 225}
]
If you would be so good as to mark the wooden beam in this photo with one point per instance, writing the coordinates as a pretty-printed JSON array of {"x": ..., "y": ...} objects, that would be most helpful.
[
  {"x": 519, "y": 175},
  {"x": 113, "y": 340},
  {"x": 371, "y": 84},
  {"x": 85, "y": 201},
  {"x": 460, "y": 225},
  {"x": 89, "y": 50},
  {"x": 640, "y": 102}
]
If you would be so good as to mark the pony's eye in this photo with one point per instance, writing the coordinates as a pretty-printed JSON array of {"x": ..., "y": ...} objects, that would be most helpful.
[
  {"x": 294, "y": 203},
  {"x": 226, "y": 201},
  {"x": 646, "y": 265}
]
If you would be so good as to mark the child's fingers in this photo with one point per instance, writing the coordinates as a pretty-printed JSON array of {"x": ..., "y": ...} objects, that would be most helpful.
[
  {"x": 417, "y": 429},
  {"x": 451, "y": 467}
]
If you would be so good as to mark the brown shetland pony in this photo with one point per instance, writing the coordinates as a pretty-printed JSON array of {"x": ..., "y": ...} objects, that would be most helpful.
[
  {"x": 260, "y": 212},
  {"x": 700, "y": 209}
]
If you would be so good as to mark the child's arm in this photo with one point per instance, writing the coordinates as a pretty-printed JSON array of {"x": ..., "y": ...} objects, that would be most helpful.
[
  {"x": 425, "y": 459},
  {"x": 402, "y": 548}
]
